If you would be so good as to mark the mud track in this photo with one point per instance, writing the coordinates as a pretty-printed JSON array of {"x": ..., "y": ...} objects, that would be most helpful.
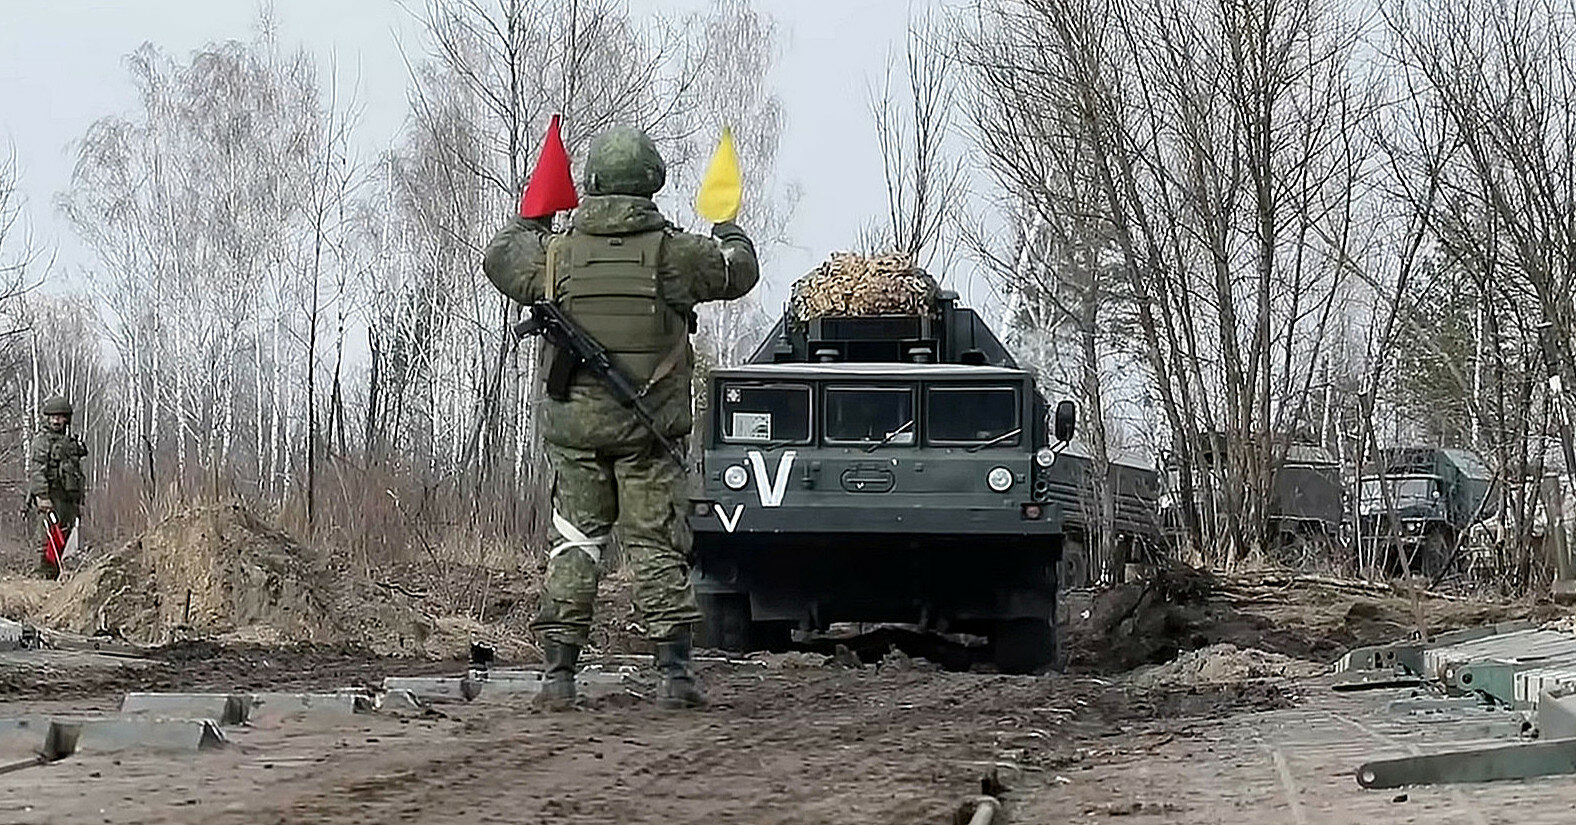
[{"x": 778, "y": 745}]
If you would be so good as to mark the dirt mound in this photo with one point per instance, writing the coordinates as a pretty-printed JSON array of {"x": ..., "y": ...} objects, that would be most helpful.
[
  {"x": 1224, "y": 664},
  {"x": 218, "y": 572},
  {"x": 1306, "y": 617},
  {"x": 22, "y": 597}
]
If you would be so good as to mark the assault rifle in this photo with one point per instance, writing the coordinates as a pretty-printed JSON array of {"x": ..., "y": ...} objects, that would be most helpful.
[{"x": 572, "y": 349}]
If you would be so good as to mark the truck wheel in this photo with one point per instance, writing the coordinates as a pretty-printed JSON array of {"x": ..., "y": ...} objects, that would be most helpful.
[
  {"x": 726, "y": 625},
  {"x": 1433, "y": 553},
  {"x": 1023, "y": 645},
  {"x": 1074, "y": 572}
]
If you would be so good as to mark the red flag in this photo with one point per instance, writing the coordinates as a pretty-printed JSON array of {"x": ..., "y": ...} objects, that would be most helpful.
[
  {"x": 552, "y": 187},
  {"x": 54, "y": 543}
]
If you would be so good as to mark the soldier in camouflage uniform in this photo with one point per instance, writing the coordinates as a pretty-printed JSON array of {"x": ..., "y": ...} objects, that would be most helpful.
[
  {"x": 55, "y": 481},
  {"x": 631, "y": 280}
]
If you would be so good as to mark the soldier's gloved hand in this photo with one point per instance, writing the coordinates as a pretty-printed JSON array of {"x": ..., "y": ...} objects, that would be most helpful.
[
  {"x": 543, "y": 224},
  {"x": 44, "y": 505},
  {"x": 730, "y": 232}
]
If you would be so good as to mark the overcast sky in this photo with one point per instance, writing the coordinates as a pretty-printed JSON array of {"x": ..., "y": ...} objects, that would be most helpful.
[{"x": 61, "y": 67}]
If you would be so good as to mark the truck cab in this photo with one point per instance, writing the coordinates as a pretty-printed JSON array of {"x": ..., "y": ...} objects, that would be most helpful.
[
  {"x": 1417, "y": 503},
  {"x": 900, "y": 490}
]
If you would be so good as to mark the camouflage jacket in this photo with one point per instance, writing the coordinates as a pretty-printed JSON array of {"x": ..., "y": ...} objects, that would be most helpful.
[
  {"x": 693, "y": 269},
  {"x": 54, "y": 466}
]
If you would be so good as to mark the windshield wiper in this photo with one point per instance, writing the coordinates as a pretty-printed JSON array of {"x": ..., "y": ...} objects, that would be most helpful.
[
  {"x": 997, "y": 440},
  {"x": 889, "y": 436}
]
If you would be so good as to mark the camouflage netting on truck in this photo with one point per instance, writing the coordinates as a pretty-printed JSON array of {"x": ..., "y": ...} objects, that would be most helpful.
[{"x": 853, "y": 284}]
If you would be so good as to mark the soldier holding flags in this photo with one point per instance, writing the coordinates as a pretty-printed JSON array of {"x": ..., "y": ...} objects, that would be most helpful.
[{"x": 630, "y": 280}]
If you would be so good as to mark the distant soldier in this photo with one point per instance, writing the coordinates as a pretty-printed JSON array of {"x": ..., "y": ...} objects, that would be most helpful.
[
  {"x": 55, "y": 481},
  {"x": 630, "y": 280}
]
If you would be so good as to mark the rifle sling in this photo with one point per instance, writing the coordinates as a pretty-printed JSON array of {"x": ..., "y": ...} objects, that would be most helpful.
[
  {"x": 667, "y": 365},
  {"x": 551, "y": 287}
]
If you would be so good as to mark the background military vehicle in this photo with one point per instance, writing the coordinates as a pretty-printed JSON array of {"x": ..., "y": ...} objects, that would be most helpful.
[
  {"x": 1133, "y": 481},
  {"x": 1418, "y": 501},
  {"x": 879, "y": 469},
  {"x": 1306, "y": 503},
  {"x": 1305, "y": 506}
]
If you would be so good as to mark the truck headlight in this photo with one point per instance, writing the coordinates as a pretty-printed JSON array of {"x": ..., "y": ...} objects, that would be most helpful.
[
  {"x": 999, "y": 479},
  {"x": 1044, "y": 457},
  {"x": 735, "y": 477}
]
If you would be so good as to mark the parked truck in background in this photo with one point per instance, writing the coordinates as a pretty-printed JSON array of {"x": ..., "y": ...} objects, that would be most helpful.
[
  {"x": 1305, "y": 499},
  {"x": 1134, "y": 484},
  {"x": 1414, "y": 505}
]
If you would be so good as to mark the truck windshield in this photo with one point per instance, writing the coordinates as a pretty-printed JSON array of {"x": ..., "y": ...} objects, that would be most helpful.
[
  {"x": 1404, "y": 492},
  {"x": 866, "y": 415},
  {"x": 972, "y": 415},
  {"x": 765, "y": 413}
]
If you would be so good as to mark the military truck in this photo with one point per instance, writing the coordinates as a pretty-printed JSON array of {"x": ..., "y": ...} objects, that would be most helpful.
[
  {"x": 879, "y": 469},
  {"x": 1305, "y": 507},
  {"x": 1306, "y": 499},
  {"x": 1135, "y": 484},
  {"x": 1416, "y": 503}
]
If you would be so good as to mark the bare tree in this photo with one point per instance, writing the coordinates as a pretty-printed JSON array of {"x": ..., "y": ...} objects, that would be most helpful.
[
  {"x": 206, "y": 211},
  {"x": 1053, "y": 262},
  {"x": 1487, "y": 161},
  {"x": 740, "y": 44},
  {"x": 1223, "y": 141},
  {"x": 21, "y": 266},
  {"x": 912, "y": 125}
]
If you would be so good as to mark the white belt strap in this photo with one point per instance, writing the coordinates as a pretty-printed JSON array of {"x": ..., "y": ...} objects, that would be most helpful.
[{"x": 572, "y": 537}]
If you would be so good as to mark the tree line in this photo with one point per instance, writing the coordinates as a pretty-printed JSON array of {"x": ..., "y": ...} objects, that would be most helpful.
[
  {"x": 1268, "y": 223},
  {"x": 1299, "y": 222},
  {"x": 271, "y": 315}
]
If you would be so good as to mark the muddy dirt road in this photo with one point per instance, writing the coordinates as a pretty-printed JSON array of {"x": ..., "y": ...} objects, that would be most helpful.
[
  {"x": 794, "y": 738},
  {"x": 785, "y": 743},
  {"x": 779, "y": 745}
]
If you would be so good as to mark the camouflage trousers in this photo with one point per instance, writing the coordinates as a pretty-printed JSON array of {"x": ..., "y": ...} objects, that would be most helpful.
[{"x": 638, "y": 490}]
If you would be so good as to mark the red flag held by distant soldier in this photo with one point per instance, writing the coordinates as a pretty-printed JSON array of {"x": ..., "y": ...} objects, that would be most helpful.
[
  {"x": 54, "y": 543},
  {"x": 552, "y": 187}
]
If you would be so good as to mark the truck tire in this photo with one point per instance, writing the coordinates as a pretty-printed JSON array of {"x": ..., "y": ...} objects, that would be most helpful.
[
  {"x": 727, "y": 626},
  {"x": 1074, "y": 566},
  {"x": 1023, "y": 645},
  {"x": 1434, "y": 552}
]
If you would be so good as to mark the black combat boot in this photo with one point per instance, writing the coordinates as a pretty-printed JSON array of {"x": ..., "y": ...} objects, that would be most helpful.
[
  {"x": 678, "y": 683},
  {"x": 558, "y": 682}
]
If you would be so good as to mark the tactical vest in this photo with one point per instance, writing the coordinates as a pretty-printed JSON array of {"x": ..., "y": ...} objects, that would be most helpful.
[
  {"x": 611, "y": 286},
  {"x": 64, "y": 469}
]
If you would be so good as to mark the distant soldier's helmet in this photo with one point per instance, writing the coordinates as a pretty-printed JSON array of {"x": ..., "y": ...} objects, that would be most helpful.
[
  {"x": 56, "y": 405},
  {"x": 624, "y": 161}
]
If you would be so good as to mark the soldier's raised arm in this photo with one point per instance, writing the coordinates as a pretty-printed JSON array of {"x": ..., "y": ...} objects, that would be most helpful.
[
  {"x": 719, "y": 268},
  {"x": 516, "y": 258}
]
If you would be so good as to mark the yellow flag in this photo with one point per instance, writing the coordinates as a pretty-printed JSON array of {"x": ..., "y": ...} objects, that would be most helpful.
[{"x": 723, "y": 187}]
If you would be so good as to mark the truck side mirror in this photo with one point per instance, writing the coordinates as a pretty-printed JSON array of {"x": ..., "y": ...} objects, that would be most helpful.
[{"x": 1066, "y": 422}]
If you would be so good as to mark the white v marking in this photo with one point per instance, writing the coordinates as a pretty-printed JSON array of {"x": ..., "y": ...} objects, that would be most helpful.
[
  {"x": 771, "y": 494},
  {"x": 730, "y": 523}
]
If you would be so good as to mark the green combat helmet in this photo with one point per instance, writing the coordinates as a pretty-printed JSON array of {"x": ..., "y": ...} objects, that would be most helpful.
[
  {"x": 56, "y": 405},
  {"x": 624, "y": 161}
]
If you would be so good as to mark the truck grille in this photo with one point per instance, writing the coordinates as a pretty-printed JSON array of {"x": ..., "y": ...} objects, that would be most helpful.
[{"x": 875, "y": 328}]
